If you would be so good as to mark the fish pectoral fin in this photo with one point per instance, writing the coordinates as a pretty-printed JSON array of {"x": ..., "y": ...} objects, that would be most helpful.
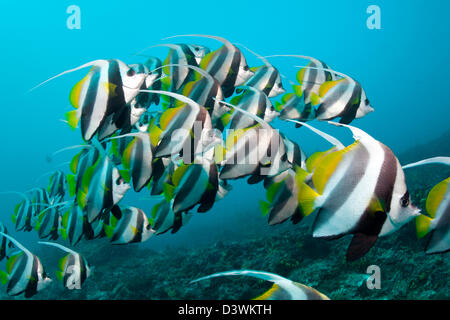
[
  {"x": 360, "y": 245},
  {"x": 265, "y": 208},
  {"x": 108, "y": 230}
]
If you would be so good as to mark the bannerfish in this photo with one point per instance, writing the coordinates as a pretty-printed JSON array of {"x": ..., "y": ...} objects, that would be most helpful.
[
  {"x": 258, "y": 150},
  {"x": 47, "y": 225},
  {"x": 310, "y": 77},
  {"x": 79, "y": 164},
  {"x": 266, "y": 78},
  {"x": 5, "y": 244},
  {"x": 359, "y": 190},
  {"x": 107, "y": 88},
  {"x": 438, "y": 208},
  {"x": 24, "y": 272},
  {"x": 73, "y": 222},
  {"x": 227, "y": 64},
  {"x": 293, "y": 106},
  {"x": 73, "y": 268},
  {"x": 163, "y": 169},
  {"x": 343, "y": 98},
  {"x": 132, "y": 226},
  {"x": 164, "y": 219},
  {"x": 181, "y": 125},
  {"x": 102, "y": 186},
  {"x": 23, "y": 214},
  {"x": 192, "y": 184},
  {"x": 57, "y": 186},
  {"x": 282, "y": 289},
  {"x": 255, "y": 102}
]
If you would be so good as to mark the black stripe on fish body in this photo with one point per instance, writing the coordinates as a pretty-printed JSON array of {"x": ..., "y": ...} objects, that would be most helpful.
[
  {"x": 18, "y": 278},
  {"x": 139, "y": 226},
  {"x": 84, "y": 266},
  {"x": 209, "y": 197},
  {"x": 285, "y": 203},
  {"x": 141, "y": 163},
  {"x": 32, "y": 285},
  {"x": 24, "y": 214},
  {"x": 349, "y": 113},
  {"x": 89, "y": 101},
  {"x": 217, "y": 63},
  {"x": 75, "y": 229},
  {"x": 116, "y": 99},
  {"x": 345, "y": 186},
  {"x": 177, "y": 222},
  {"x": 185, "y": 190},
  {"x": 228, "y": 84},
  {"x": 272, "y": 79}
]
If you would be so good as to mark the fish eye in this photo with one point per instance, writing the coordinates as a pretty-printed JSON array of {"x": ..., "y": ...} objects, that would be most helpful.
[
  {"x": 404, "y": 201},
  {"x": 367, "y": 102},
  {"x": 246, "y": 68},
  {"x": 196, "y": 48},
  {"x": 119, "y": 181},
  {"x": 131, "y": 72}
]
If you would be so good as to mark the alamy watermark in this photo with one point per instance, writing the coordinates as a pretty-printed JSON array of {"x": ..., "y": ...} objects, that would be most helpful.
[
  {"x": 374, "y": 20},
  {"x": 374, "y": 280},
  {"x": 74, "y": 19}
]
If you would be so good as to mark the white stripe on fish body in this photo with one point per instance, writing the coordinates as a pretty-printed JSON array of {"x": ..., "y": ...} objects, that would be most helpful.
[
  {"x": 344, "y": 92},
  {"x": 129, "y": 236},
  {"x": 119, "y": 186},
  {"x": 96, "y": 190},
  {"x": 131, "y": 83},
  {"x": 348, "y": 214},
  {"x": 244, "y": 73},
  {"x": 441, "y": 224}
]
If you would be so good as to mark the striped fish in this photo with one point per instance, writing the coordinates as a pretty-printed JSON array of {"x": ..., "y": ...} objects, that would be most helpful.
[
  {"x": 193, "y": 184},
  {"x": 102, "y": 188},
  {"x": 57, "y": 186},
  {"x": 283, "y": 289},
  {"x": 293, "y": 107},
  {"x": 163, "y": 169},
  {"x": 359, "y": 190},
  {"x": 73, "y": 268},
  {"x": 5, "y": 244},
  {"x": 164, "y": 219},
  {"x": 103, "y": 92},
  {"x": 257, "y": 150},
  {"x": 310, "y": 77},
  {"x": 438, "y": 208},
  {"x": 132, "y": 226},
  {"x": 24, "y": 272},
  {"x": 23, "y": 215},
  {"x": 48, "y": 220},
  {"x": 79, "y": 164},
  {"x": 344, "y": 98},
  {"x": 227, "y": 64},
  {"x": 266, "y": 78},
  {"x": 72, "y": 226},
  {"x": 255, "y": 102}
]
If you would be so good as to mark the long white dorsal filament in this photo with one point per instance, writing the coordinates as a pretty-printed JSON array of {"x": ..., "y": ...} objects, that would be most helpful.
[{"x": 435, "y": 160}]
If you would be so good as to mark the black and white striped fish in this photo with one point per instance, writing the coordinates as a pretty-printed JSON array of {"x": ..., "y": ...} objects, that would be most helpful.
[
  {"x": 23, "y": 215},
  {"x": 227, "y": 64},
  {"x": 359, "y": 190},
  {"x": 73, "y": 223},
  {"x": 132, "y": 226},
  {"x": 48, "y": 220},
  {"x": 283, "y": 289},
  {"x": 24, "y": 272},
  {"x": 57, "y": 186},
  {"x": 343, "y": 98},
  {"x": 5, "y": 244},
  {"x": 255, "y": 102},
  {"x": 438, "y": 208},
  {"x": 164, "y": 219},
  {"x": 102, "y": 187},
  {"x": 258, "y": 150},
  {"x": 73, "y": 268},
  {"x": 293, "y": 107}
]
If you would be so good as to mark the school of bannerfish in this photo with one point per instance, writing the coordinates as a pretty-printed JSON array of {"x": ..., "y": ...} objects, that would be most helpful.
[{"x": 157, "y": 127}]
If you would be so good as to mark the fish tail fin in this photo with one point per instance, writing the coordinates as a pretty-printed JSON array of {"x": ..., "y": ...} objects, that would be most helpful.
[{"x": 423, "y": 225}]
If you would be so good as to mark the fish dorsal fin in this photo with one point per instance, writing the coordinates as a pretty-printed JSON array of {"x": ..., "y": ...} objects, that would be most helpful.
[
  {"x": 75, "y": 93},
  {"x": 167, "y": 116},
  {"x": 155, "y": 133},
  {"x": 327, "y": 166},
  {"x": 313, "y": 159},
  {"x": 74, "y": 162},
  {"x": 62, "y": 262},
  {"x": 358, "y": 134},
  {"x": 436, "y": 196},
  {"x": 178, "y": 174},
  {"x": 266, "y": 62},
  {"x": 126, "y": 158},
  {"x": 188, "y": 87},
  {"x": 327, "y": 85},
  {"x": 206, "y": 60}
]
